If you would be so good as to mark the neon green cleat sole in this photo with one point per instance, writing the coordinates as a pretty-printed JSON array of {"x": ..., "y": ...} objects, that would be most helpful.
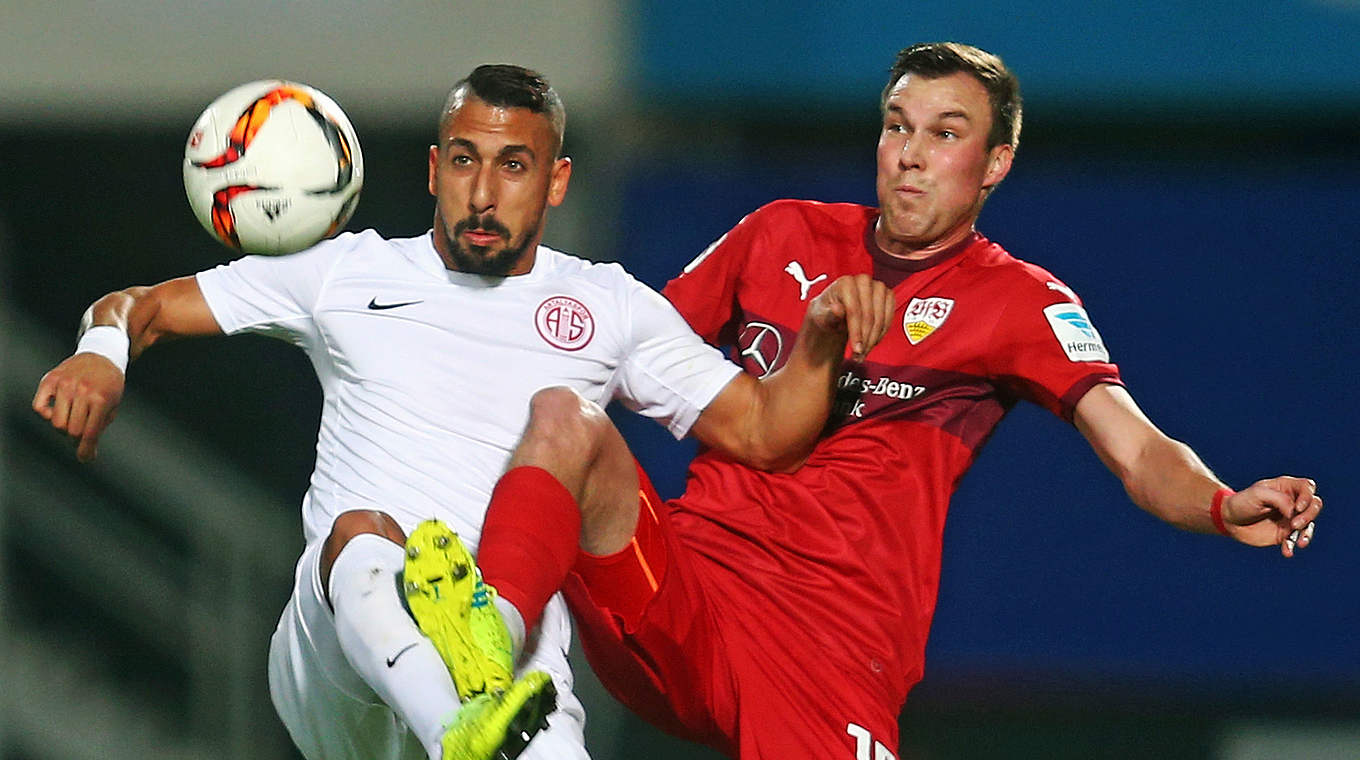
[
  {"x": 499, "y": 726},
  {"x": 453, "y": 607}
]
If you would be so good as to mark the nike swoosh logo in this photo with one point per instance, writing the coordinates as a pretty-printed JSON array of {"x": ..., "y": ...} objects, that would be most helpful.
[
  {"x": 393, "y": 659},
  {"x": 374, "y": 305}
]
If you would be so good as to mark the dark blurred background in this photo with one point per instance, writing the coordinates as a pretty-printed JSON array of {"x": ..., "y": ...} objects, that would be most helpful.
[{"x": 1191, "y": 170}]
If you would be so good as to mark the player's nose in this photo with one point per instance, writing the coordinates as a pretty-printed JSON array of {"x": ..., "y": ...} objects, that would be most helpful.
[
  {"x": 483, "y": 195},
  {"x": 911, "y": 155}
]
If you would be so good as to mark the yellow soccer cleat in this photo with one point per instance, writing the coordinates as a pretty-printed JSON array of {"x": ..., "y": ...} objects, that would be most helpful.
[
  {"x": 499, "y": 726},
  {"x": 453, "y": 607}
]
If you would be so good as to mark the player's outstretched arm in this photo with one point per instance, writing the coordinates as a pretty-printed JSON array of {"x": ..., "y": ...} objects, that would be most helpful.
[
  {"x": 80, "y": 396},
  {"x": 773, "y": 423},
  {"x": 1166, "y": 478}
]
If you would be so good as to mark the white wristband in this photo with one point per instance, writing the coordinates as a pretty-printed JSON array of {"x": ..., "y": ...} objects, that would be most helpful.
[{"x": 108, "y": 341}]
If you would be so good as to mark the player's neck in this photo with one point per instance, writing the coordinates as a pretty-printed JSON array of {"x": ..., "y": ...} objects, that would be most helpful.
[{"x": 914, "y": 251}]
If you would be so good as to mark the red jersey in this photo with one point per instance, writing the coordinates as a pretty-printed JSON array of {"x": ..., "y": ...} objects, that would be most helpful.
[{"x": 841, "y": 559}]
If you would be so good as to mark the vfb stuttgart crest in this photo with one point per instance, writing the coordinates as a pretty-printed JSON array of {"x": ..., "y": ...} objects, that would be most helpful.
[
  {"x": 924, "y": 316},
  {"x": 565, "y": 322}
]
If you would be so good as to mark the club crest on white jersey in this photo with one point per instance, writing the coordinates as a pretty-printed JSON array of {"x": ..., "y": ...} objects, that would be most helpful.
[
  {"x": 565, "y": 323},
  {"x": 1075, "y": 333},
  {"x": 924, "y": 316}
]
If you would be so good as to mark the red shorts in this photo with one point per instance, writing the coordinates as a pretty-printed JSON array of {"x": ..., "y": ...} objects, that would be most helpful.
[{"x": 664, "y": 630}]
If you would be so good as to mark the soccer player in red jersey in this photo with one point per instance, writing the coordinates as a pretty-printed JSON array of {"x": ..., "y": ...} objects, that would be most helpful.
[{"x": 785, "y": 615}]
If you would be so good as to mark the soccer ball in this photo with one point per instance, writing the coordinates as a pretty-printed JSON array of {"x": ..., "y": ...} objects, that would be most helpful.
[{"x": 272, "y": 167}]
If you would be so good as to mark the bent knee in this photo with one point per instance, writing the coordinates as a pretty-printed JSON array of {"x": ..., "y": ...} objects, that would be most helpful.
[
  {"x": 566, "y": 416},
  {"x": 354, "y": 523},
  {"x": 359, "y": 521}
]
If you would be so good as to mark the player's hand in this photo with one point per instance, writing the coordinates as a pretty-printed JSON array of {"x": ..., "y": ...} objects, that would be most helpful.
[
  {"x": 80, "y": 397},
  {"x": 1277, "y": 511},
  {"x": 860, "y": 306}
]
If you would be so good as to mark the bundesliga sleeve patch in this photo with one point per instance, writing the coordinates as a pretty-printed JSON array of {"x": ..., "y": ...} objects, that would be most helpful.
[{"x": 1075, "y": 333}]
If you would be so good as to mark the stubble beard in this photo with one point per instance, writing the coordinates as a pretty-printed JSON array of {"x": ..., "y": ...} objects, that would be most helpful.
[{"x": 480, "y": 259}]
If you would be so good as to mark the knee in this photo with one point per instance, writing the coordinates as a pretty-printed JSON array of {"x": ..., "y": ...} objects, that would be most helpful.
[
  {"x": 567, "y": 419},
  {"x": 354, "y": 523}
]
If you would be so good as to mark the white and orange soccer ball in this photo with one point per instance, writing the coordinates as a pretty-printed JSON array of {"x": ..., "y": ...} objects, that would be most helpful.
[{"x": 272, "y": 167}]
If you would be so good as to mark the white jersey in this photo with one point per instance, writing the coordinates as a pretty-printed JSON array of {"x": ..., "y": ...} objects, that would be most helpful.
[
  {"x": 427, "y": 373},
  {"x": 426, "y": 376}
]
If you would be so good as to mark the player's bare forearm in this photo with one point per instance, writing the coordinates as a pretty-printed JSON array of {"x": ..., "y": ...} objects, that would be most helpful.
[
  {"x": 1166, "y": 478},
  {"x": 791, "y": 405},
  {"x": 80, "y": 396},
  {"x": 1177, "y": 487},
  {"x": 172, "y": 309},
  {"x": 773, "y": 423},
  {"x": 112, "y": 310},
  {"x": 1161, "y": 475}
]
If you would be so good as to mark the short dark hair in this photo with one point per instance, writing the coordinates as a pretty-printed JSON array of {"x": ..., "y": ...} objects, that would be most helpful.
[
  {"x": 933, "y": 60},
  {"x": 509, "y": 86}
]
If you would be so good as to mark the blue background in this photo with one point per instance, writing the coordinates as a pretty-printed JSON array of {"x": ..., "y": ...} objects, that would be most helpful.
[{"x": 1111, "y": 55}]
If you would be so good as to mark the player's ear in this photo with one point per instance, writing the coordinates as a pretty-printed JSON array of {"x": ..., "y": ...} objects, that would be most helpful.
[
  {"x": 999, "y": 160},
  {"x": 557, "y": 185},
  {"x": 434, "y": 161}
]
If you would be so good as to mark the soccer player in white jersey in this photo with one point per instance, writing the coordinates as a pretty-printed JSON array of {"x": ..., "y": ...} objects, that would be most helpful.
[{"x": 428, "y": 350}]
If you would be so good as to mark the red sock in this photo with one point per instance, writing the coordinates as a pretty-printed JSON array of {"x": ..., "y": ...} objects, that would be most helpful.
[{"x": 529, "y": 540}]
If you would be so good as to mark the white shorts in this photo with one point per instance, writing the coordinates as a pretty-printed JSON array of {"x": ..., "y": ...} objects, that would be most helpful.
[{"x": 332, "y": 714}]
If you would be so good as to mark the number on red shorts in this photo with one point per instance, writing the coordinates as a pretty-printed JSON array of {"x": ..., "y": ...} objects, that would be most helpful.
[{"x": 864, "y": 741}]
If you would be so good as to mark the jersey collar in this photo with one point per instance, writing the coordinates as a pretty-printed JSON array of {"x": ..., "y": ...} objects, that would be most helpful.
[{"x": 896, "y": 264}]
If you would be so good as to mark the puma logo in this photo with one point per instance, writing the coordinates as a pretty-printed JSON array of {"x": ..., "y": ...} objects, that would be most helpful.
[{"x": 804, "y": 284}]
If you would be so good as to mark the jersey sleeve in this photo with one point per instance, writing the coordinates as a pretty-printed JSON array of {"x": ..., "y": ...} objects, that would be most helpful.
[
  {"x": 271, "y": 295},
  {"x": 705, "y": 292},
  {"x": 1047, "y": 350},
  {"x": 668, "y": 373}
]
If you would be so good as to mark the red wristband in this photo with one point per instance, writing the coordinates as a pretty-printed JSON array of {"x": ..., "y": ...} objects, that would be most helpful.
[{"x": 1216, "y": 509}]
